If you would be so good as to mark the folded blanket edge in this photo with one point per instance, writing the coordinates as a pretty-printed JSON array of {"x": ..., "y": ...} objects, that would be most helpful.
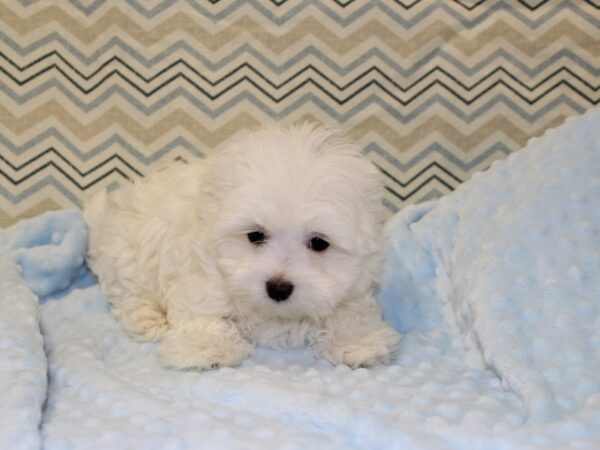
[{"x": 24, "y": 365}]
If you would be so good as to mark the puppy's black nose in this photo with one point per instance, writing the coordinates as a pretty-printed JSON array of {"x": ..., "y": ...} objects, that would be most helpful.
[{"x": 279, "y": 289}]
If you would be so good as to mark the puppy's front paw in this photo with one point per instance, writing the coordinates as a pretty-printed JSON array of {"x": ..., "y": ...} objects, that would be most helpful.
[
  {"x": 203, "y": 344},
  {"x": 363, "y": 351},
  {"x": 141, "y": 318},
  {"x": 358, "y": 355}
]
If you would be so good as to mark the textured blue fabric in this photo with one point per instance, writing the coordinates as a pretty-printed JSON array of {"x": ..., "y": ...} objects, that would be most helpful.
[{"x": 512, "y": 258}]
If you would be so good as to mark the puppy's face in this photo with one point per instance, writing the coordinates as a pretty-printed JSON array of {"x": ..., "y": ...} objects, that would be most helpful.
[{"x": 297, "y": 222}]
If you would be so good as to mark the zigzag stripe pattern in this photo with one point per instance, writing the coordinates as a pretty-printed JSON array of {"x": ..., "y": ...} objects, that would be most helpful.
[{"x": 93, "y": 93}]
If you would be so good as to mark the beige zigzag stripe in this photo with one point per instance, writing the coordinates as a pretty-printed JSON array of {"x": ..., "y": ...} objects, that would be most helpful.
[
  {"x": 437, "y": 124},
  {"x": 438, "y": 31},
  {"x": 115, "y": 116},
  {"x": 283, "y": 8},
  {"x": 178, "y": 118},
  {"x": 183, "y": 103},
  {"x": 243, "y": 9},
  {"x": 38, "y": 208}
]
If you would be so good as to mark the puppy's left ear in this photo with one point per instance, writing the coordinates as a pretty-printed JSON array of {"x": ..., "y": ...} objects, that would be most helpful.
[
  {"x": 368, "y": 182},
  {"x": 363, "y": 179},
  {"x": 371, "y": 220},
  {"x": 369, "y": 188},
  {"x": 370, "y": 223}
]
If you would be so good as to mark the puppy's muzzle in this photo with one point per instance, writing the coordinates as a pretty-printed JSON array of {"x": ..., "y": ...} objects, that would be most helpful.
[{"x": 279, "y": 289}]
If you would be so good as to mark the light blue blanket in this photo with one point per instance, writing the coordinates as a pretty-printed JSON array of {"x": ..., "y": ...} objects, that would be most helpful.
[{"x": 496, "y": 287}]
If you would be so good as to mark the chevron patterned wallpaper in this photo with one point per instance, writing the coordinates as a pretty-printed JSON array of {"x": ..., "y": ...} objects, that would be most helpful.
[{"x": 95, "y": 92}]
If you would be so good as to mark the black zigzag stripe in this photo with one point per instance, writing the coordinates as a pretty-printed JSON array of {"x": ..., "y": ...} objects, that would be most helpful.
[
  {"x": 113, "y": 170},
  {"x": 342, "y": 101},
  {"x": 416, "y": 190},
  {"x": 116, "y": 170},
  {"x": 86, "y": 186},
  {"x": 248, "y": 66},
  {"x": 231, "y": 73},
  {"x": 531, "y": 6},
  {"x": 421, "y": 172},
  {"x": 52, "y": 164},
  {"x": 53, "y": 151},
  {"x": 340, "y": 3},
  {"x": 107, "y": 162},
  {"x": 397, "y": 2}
]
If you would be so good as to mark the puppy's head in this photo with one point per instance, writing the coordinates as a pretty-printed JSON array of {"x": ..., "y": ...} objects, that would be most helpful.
[{"x": 296, "y": 226}]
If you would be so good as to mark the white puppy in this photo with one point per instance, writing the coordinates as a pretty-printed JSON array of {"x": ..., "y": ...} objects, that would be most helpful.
[{"x": 275, "y": 241}]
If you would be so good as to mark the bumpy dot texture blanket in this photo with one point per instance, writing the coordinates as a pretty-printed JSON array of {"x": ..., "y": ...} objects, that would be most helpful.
[{"x": 512, "y": 258}]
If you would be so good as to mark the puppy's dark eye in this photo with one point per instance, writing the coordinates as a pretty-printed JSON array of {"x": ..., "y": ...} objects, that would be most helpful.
[
  {"x": 318, "y": 244},
  {"x": 257, "y": 237}
]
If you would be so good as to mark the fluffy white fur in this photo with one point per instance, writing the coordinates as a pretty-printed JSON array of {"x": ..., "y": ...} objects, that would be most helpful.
[{"x": 173, "y": 255}]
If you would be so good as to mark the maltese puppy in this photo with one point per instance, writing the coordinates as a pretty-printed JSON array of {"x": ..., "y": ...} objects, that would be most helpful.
[{"x": 275, "y": 241}]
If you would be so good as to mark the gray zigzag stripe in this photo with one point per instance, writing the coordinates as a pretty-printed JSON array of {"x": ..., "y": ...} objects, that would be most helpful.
[
  {"x": 48, "y": 180},
  {"x": 186, "y": 92},
  {"x": 466, "y": 166},
  {"x": 506, "y": 6},
  {"x": 304, "y": 53},
  {"x": 438, "y": 100},
  {"x": 407, "y": 24},
  {"x": 114, "y": 140},
  {"x": 431, "y": 194},
  {"x": 390, "y": 206},
  {"x": 372, "y": 147},
  {"x": 328, "y": 108}
]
